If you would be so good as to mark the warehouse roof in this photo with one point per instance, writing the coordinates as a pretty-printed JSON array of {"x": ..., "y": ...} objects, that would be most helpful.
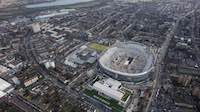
[
  {"x": 110, "y": 88},
  {"x": 5, "y": 87}
]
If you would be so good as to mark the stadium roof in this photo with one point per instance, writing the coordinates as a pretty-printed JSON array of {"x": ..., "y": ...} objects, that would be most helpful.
[{"x": 128, "y": 59}]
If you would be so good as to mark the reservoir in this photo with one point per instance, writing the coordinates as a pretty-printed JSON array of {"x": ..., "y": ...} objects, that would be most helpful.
[{"x": 56, "y": 3}]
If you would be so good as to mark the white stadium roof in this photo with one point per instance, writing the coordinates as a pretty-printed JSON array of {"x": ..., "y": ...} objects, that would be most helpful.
[{"x": 129, "y": 49}]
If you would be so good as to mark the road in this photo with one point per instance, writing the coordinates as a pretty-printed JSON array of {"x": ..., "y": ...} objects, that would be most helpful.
[
  {"x": 161, "y": 56},
  {"x": 195, "y": 32},
  {"x": 31, "y": 53}
]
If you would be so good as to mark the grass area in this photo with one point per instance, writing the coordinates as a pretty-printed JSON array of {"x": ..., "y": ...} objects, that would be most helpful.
[
  {"x": 126, "y": 95},
  {"x": 29, "y": 97},
  {"x": 109, "y": 102},
  {"x": 98, "y": 47}
]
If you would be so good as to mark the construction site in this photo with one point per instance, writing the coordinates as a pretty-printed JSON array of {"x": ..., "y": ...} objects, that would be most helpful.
[{"x": 127, "y": 61}]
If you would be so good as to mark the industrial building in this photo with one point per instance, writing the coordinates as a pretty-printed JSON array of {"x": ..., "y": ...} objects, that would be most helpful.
[
  {"x": 127, "y": 62},
  {"x": 108, "y": 93},
  {"x": 81, "y": 56},
  {"x": 110, "y": 88}
]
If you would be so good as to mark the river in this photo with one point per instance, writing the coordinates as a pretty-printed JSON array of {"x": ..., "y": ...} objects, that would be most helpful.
[{"x": 56, "y": 3}]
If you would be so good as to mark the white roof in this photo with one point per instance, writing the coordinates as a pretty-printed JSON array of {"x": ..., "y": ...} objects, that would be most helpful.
[
  {"x": 50, "y": 64},
  {"x": 114, "y": 84},
  {"x": 2, "y": 94},
  {"x": 83, "y": 47},
  {"x": 5, "y": 88},
  {"x": 109, "y": 90},
  {"x": 4, "y": 84},
  {"x": 126, "y": 63},
  {"x": 69, "y": 63}
]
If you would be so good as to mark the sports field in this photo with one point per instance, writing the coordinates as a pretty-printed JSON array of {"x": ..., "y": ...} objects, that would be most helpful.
[{"x": 98, "y": 47}]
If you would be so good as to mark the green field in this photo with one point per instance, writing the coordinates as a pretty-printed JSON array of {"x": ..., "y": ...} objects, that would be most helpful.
[
  {"x": 98, "y": 47},
  {"x": 126, "y": 95},
  {"x": 109, "y": 102}
]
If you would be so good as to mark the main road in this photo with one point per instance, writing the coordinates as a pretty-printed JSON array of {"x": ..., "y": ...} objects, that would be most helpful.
[{"x": 161, "y": 56}]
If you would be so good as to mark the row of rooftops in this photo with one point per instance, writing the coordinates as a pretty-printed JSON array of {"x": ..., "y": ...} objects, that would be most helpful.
[{"x": 10, "y": 62}]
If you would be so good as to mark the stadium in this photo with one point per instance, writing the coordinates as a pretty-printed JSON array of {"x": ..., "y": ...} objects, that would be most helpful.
[{"x": 127, "y": 62}]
